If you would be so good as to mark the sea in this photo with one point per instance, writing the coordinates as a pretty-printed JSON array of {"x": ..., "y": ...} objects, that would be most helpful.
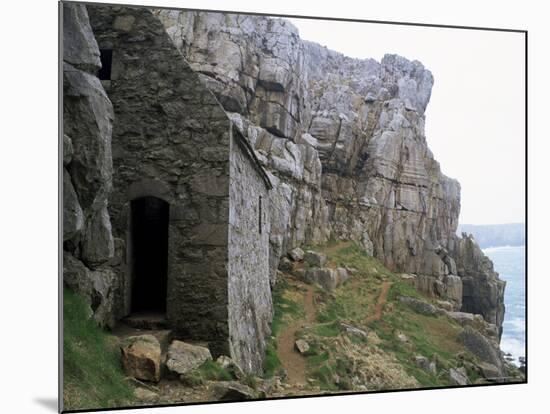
[{"x": 509, "y": 262}]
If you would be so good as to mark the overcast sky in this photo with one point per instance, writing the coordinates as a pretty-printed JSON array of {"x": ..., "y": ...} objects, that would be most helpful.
[{"x": 475, "y": 123}]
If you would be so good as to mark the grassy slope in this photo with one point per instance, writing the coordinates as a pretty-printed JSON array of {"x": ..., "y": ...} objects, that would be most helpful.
[
  {"x": 383, "y": 359},
  {"x": 93, "y": 376}
]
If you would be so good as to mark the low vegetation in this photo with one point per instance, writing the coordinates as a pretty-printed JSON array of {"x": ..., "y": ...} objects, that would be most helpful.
[
  {"x": 385, "y": 358},
  {"x": 92, "y": 371}
]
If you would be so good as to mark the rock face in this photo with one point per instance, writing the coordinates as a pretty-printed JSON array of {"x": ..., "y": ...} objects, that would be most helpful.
[
  {"x": 483, "y": 291},
  {"x": 251, "y": 136},
  {"x": 344, "y": 141},
  {"x": 482, "y": 347},
  {"x": 141, "y": 357},
  {"x": 87, "y": 168}
]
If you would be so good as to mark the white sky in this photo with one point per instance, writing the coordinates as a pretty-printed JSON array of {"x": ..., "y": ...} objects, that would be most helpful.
[{"x": 475, "y": 122}]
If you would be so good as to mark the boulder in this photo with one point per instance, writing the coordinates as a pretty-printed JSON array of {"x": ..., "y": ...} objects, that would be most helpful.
[
  {"x": 489, "y": 371},
  {"x": 315, "y": 259},
  {"x": 480, "y": 346},
  {"x": 458, "y": 376},
  {"x": 419, "y": 306},
  {"x": 141, "y": 357},
  {"x": 233, "y": 391},
  {"x": 301, "y": 346},
  {"x": 325, "y": 277},
  {"x": 296, "y": 254},
  {"x": 183, "y": 357}
]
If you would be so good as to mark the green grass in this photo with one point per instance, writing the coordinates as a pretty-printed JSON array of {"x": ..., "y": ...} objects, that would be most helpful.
[
  {"x": 284, "y": 308},
  {"x": 327, "y": 330},
  {"x": 272, "y": 363},
  {"x": 93, "y": 376},
  {"x": 208, "y": 371}
]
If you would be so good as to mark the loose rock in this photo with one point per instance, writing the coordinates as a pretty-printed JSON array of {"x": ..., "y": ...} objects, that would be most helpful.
[
  {"x": 302, "y": 346},
  {"x": 183, "y": 357},
  {"x": 141, "y": 357}
]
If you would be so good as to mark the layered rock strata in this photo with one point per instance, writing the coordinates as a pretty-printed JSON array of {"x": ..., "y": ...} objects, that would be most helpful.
[{"x": 344, "y": 141}]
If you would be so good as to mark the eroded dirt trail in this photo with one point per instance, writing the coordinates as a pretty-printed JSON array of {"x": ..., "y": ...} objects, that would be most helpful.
[
  {"x": 382, "y": 299},
  {"x": 292, "y": 361}
]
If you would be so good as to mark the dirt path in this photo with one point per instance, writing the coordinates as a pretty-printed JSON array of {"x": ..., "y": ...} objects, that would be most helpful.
[
  {"x": 292, "y": 361},
  {"x": 382, "y": 299}
]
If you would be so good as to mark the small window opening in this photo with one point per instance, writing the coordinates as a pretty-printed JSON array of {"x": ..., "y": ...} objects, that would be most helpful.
[
  {"x": 260, "y": 215},
  {"x": 106, "y": 56}
]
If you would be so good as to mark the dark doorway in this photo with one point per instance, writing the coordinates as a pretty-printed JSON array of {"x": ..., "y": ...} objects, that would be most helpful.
[
  {"x": 150, "y": 254},
  {"x": 106, "y": 56}
]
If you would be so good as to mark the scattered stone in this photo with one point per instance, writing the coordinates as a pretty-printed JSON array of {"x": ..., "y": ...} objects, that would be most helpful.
[
  {"x": 141, "y": 357},
  {"x": 408, "y": 278},
  {"x": 296, "y": 254},
  {"x": 315, "y": 259},
  {"x": 458, "y": 376},
  {"x": 425, "y": 364},
  {"x": 233, "y": 391},
  {"x": 302, "y": 346},
  {"x": 419, "y": 306},
  {"x": 354, "y": 331},
  {"x": 402, "y": 337},
  {"x": 145, "y": 395},
  {"x": 183, "y": 357}
]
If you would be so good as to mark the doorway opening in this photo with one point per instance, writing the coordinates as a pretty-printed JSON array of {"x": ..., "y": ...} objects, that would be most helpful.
[
  {"x": 149, "y": 237},
  {"x": 106, "y": 57}
]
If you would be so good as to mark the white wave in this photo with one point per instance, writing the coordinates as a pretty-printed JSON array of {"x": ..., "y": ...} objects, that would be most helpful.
[{"x": 513, "y": 346}]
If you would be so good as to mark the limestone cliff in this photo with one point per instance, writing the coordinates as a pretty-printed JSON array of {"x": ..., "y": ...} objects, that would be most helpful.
[
  {"x": 88, "y": 245},
  {"x": 344, "y": 142}
]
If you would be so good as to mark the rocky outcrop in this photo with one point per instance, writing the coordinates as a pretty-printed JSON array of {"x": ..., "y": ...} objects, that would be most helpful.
[
  {"x": 483, "y": 291},
  {"x": 344, "y": 142},
  {"x": 87, "y": 168}
]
